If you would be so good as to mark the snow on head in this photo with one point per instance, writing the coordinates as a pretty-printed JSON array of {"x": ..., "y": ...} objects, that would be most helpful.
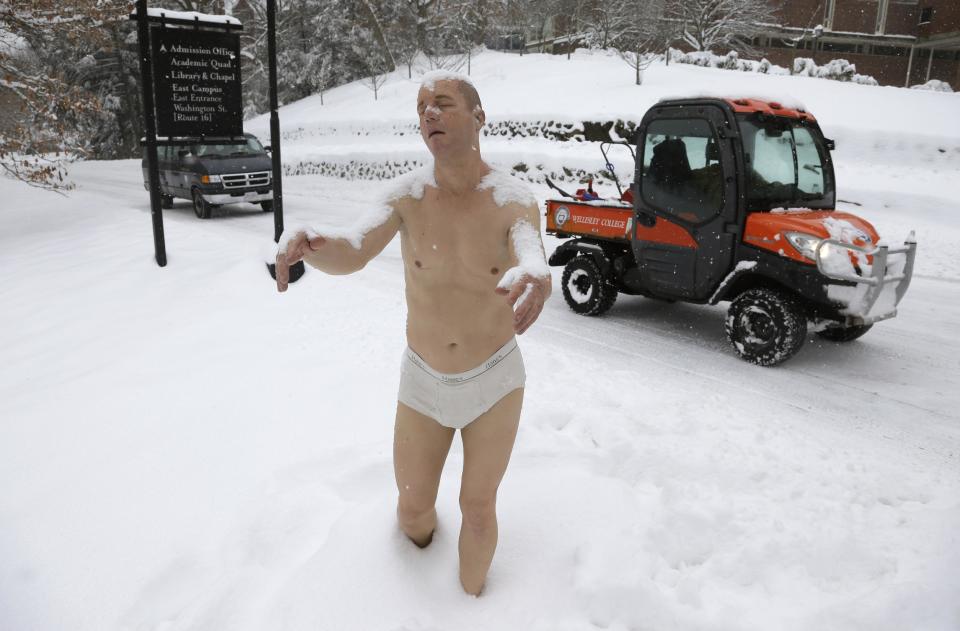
[
  {"x": 506, "y": 188},
  {"x": 430, "y": 79}
]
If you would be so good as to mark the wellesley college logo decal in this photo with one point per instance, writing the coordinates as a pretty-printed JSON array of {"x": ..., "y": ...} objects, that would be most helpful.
[{"x": 563, "y": 213}]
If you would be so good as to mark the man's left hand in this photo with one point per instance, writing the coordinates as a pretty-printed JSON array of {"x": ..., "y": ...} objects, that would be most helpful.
[{"x": 532, "y": 304}]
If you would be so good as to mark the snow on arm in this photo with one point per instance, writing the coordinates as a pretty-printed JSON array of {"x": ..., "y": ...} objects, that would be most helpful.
[
  {"x": 530, "y": 258},
  {"x": 524, "y": 236},
  {"x": 412, "y": 184}
]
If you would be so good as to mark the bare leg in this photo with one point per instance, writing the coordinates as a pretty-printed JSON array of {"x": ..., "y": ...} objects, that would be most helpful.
[
  {"x": 420, "y": 447},
  {"x": 487, "y": 443}
]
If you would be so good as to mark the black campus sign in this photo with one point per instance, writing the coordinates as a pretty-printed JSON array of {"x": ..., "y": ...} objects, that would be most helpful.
[{"x": 197, "y": 82}]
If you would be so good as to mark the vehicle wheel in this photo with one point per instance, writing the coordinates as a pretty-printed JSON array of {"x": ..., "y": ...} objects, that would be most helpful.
[
  {"x": 267, "y": 206},
  {"x": 166, "y": 201},
  {"x": 585, "y": 289},
  {"x": 201, "y": 207},
  {"x": 844, "y": 333},
  {"x": 766, "y": 326}
]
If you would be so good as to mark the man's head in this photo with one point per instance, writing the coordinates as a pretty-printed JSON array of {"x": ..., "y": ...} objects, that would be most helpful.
[{"x": 451, "y": 114}]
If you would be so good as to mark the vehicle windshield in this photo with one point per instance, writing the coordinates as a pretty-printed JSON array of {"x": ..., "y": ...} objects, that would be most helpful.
[
  {"x": 787, "y": 165},
  {"x": 250, "y": 147}
]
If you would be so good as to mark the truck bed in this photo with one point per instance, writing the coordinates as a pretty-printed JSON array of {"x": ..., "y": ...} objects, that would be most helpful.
[{"x": 603, "y": 218}]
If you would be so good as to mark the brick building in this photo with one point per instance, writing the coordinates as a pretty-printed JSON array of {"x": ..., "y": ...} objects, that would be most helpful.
[{"x": 898, "y": 42}]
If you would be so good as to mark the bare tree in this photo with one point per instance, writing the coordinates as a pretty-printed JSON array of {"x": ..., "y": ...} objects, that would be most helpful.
[
  {"x": 647, "y": 33},
  {"x": 605, "y": 22},
  {"x": 719, "y": 24}
]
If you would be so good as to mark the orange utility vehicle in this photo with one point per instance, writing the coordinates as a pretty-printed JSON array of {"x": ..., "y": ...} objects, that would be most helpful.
[{"x": 732, "y": 200}]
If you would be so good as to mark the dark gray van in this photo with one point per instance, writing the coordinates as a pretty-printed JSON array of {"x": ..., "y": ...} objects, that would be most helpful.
[{"x": 212, "y": 174}]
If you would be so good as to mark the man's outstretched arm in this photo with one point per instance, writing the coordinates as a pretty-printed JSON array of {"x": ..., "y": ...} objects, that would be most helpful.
[
  {"x": 527, "y": 285},
  {"x": 337, "y": 252}
]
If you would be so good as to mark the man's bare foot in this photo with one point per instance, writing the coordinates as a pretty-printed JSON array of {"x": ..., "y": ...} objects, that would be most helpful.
[
  {"x": 427, "y": 542},
  {"x": 472, "y": 590}
]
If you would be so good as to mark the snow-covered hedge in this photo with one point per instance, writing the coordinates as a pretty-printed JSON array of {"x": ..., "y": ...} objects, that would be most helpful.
[
  {"x": 935, "y": 85},
  {"x": 556, "y": 130},
  {"x": 837, "y": 69},
  {"x": 354, "y": 169},
  {"x": 730, "y": 61}
]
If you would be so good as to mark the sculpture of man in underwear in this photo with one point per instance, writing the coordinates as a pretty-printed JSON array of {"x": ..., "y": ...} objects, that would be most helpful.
[{"x": 475, "y": 278}]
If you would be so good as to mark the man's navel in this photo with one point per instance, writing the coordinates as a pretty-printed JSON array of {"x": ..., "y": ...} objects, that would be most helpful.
[
  {"x": 494, "y": 270},
  {"x": 418, "y": 263}
]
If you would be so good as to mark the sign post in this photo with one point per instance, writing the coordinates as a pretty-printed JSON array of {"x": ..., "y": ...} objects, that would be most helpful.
[
  {"x": 297, "y": 269},
  {"x": 153, "y": 172}
]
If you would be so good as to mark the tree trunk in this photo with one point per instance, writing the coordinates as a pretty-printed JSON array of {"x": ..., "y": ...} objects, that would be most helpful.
[{"x": 378, "y": 33}]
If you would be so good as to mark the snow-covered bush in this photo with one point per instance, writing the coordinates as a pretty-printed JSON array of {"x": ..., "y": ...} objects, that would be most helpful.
[
  {"x": 835, "y": 69},
  {"x": 804, "y": 67},
  {"x": 730, "y": 61},
  {"x": 935, "y": 85}
]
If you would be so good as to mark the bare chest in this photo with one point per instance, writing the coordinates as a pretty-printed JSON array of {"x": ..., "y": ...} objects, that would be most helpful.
[{"x": 455, "y": 241}]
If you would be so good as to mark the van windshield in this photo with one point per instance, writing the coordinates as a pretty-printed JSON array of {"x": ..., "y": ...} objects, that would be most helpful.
[{"x": 250, "y": 147}]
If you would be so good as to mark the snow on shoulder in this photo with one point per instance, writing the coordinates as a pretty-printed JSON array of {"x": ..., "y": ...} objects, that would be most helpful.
[
  {"x": 506, "y": 188},
  {"x": 413, "y": 183},
  {"x": 430, "y": 79}
]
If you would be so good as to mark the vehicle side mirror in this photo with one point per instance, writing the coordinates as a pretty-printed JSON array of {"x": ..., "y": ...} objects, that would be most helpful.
[
  {"x": 268, "y": 148},
  {"x": 831, "y": 144},
  {"x": 183, "y": 153}
]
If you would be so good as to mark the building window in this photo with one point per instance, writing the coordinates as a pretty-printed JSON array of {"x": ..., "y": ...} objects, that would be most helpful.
[
  {"x": 892, "y": 51},
  {"x": 926, "y": 14},
  {"x": 839, "y": 48}
]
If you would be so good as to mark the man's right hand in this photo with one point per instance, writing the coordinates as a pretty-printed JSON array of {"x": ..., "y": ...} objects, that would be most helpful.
[{"x": 298, "y": 247}]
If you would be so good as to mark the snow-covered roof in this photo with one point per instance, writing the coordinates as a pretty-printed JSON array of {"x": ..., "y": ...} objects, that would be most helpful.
[
  {"x": 191, "y": 16},
  {"x": 786, "y": 100}
]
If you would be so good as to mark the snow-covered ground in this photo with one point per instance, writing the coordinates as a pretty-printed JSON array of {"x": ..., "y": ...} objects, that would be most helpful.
[{"x": 185, "y": 448}]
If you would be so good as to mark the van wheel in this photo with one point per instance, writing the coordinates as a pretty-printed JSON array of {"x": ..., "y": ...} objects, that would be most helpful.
[
  {"x": 166, "y": 201},
  {"x": 585, "y": 289},
  {"x": 267, "y": 206},
  {"x": 844, "y": 333},
  {"x": 201, "y": 207},
  {"x": 766, "y": 326}
]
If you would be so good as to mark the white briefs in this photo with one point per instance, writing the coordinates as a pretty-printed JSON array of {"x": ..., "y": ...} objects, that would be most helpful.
[{"x": 456, "y": 399}]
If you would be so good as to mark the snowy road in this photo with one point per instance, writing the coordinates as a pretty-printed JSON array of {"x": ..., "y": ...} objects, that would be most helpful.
[{"x": 184, "y": 448}]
